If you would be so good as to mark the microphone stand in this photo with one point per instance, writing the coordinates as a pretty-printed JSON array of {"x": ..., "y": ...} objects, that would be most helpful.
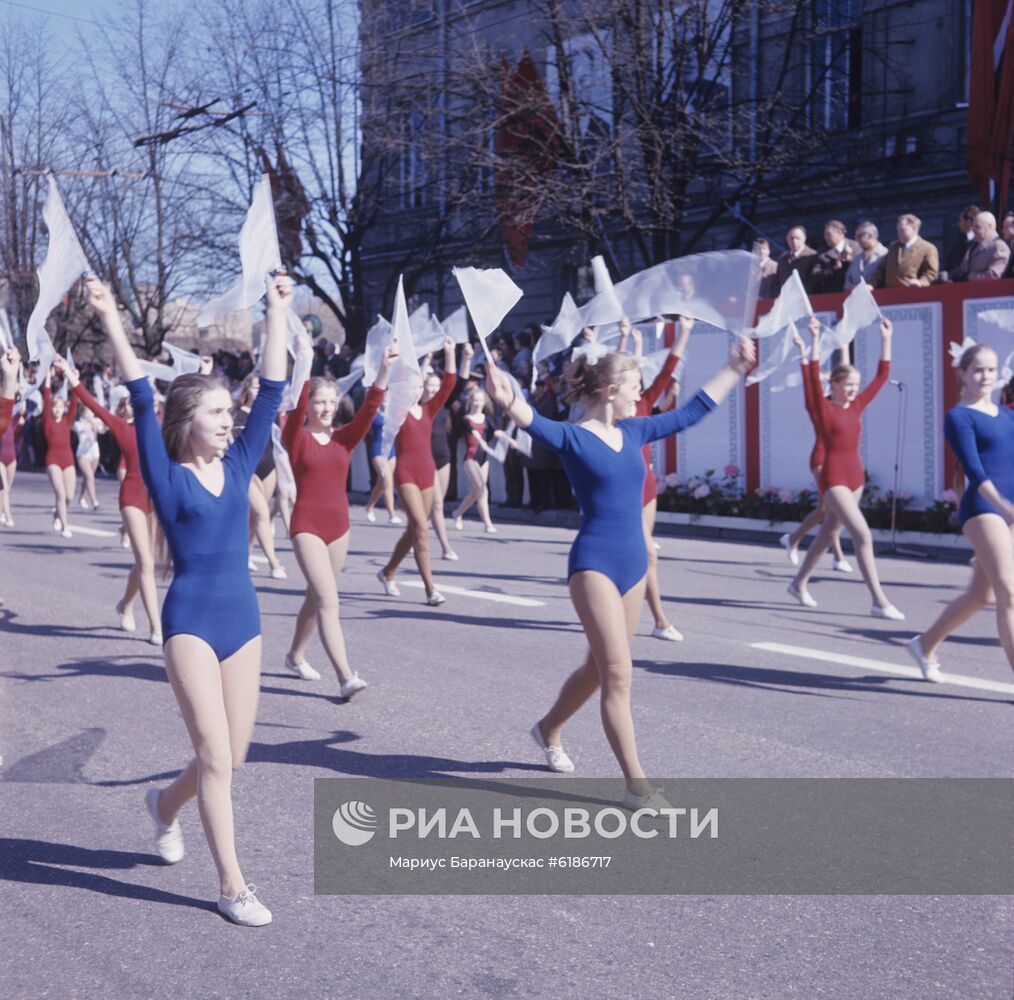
[{"x": 894, "y": 547}]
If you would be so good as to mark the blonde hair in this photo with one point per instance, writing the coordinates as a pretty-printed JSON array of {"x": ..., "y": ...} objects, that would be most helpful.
[
  {"x": 318, "y": 382},
  {"x": 586, "y": 380},
  {"x": 245, "y": 397},
  {"x": 843, "y": 371}
]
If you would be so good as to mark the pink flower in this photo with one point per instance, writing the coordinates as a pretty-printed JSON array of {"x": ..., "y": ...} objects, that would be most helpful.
[
  {"x": 671, "y": 481},
  {"x": 702, "y": 491},
  {"x": 949, "y": 496},
  {"x": 731, "y": 470},
  {"x": 692, "y": 484},
  {"x": 785, "y": 496}
]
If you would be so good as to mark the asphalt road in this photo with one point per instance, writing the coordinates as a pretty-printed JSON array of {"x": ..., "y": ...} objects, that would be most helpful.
[{"x": 760, "y": 688}]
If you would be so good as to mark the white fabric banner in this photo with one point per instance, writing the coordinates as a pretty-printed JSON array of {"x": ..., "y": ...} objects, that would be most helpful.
[
  {"x": 489, "y": 295},
  {"x": 456, "y": 325},
  {"x": 403, "y": 382},
  {"x": 377, "y": 338},
  {"x": 561, "y": 334}
]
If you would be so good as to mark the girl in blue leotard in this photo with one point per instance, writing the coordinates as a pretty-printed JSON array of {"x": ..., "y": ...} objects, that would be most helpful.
[
  {"x": 383, "y": 465},
  {"x": 198, "y": 483},
  {"x": 981, "y": 435},
  {"x": 608, "y": 560}
]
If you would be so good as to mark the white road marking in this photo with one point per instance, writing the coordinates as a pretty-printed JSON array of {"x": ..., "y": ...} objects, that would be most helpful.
[
  {"x": 879, "y": 666},
  {"x": 482, "y": 595},
  {"x": 77, "y": 529}
]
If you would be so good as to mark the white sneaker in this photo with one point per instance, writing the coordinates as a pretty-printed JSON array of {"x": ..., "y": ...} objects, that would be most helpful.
[
  {"x": 278, "y": 573},
  {"x": 302, "y": 670},
  {"x": 435, "y": 599},
  {"x": 653, "y": 800},
  {"x": 491, "y": 530},
  {"x": 370, "y": 516},
  {"x": 930, "y": 668},
  {"x": 670, "y": 633},
  {"x": 245, "y": 909},
  {"x": 127, "y": 623},
  {"x": 658, "y": 548},
  {"x": 57, "y": 525},
  {"x": 556, "y": 759},
  {"x": 793, "y": 552},
  {"x": 394, "y": 519},
  {"x": 351, "y": 686},
  {"x": 803, "y": 596},
  {"x": 251, "y": 565},
  {"x": 459, "y": 524},
  {"x": 66, "y": 533},
  {"x": 168, "y": 837},
  {"x": 841, "y": 565},
  {"x": 390, "y": 587},
  {"x": 155, "y": 639},
  {"x": 124, "y": 540},
  {"x": 450, "y": 555},
  {"x": 889, "y": 612},
  {"x": 3, "y": 518}
]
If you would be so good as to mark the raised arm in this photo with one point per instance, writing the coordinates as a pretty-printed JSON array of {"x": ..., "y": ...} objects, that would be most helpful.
[
  {"x": 115, "y": 424},
  {"x": 447, "y": 383},
  {"x": 295, "y": 419},
  {"x": 100, "y": 298},
  {"x": 467, "y": 353},
  {"x": 279, "y": 296},
  {"x": 883, "y": 368},
  {"x": 359, "y": 426}
]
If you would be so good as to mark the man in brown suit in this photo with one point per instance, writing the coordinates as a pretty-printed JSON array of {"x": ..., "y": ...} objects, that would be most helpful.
[
  {"x": 910, "y": 260},
  {"x": 799, "y": 257},
  {"x": 987, "y": 255}
]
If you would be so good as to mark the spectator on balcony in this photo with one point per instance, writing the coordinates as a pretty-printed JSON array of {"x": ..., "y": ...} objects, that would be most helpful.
[
  {"x": 832, "y": 264},
  {"x": 865, "y": 263},
  {"x": 799, "y": 257},
  {"x": 987, "y": 256},
  {"x": 1007, "y": 232},
  {"x": 768, "y": 268},
  {"x": 959, "y": 245},
  {"x": 910, "y": 260}
]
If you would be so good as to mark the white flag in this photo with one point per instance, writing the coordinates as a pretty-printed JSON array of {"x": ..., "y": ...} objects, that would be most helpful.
[
  {"x": 403, "y": 382},
  {"x": 610, "y": 304},
  {"x": 456, "y": 325},
  {"x": 183, "y": 362},
  {"x": 489, "y": 296},
  {"x": 258, "y": 253},
  {"x": 6, "y": 336},
  {"x": 377, "y": 338},
  {"x": 430, "y": 338},
  {"x": 64, "y": 265},
  {"x": 859, "y": 311},
  {"x": 356, "y": 372},
  {"x": 561, "y": 334},
  {"x": 157, "y": 370}
]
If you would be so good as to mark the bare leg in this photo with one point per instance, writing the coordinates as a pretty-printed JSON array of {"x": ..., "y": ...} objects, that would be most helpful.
[
  {"x": 978, "y": 596},
  {"x": 484, "y": 496},
  {"x": 88, "y": 467},
  {"x": 437, "y": 514},
  {"x": 475, "y": 488},
  {"x": 321, "y": 564},
  {"x": 218, "y": 702},
  {"x": 260, "y": 521},
  {"x": 815, "y": 517},
  {"x": 994, "y": 552},
  {"x": 843, "y": 503},
  {"x": 417, "y": 505},
  {"x": 139, "y": 527},
  {"x": 9, "y": 471},
  {"x": 652, "y": 590},
  {"x": 609, "y": 621},
  {"x": 56, "y": 480}
]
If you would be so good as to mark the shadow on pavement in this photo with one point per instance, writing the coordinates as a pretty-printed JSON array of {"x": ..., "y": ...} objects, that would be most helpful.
[{"x": 34, "y": 862}]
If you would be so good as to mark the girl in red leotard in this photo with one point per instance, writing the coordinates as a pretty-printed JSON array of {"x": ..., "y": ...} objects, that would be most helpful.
[
  {"x": 135, "y": 507},
  {"x": 839, "y": 425},
  {"x": 319, "y": 525},
  {"x": 8, "y": 467},
  {"x": 790, "y": 541},
  {"x": 56, "y": 425},
  {"x": 9, "y": 361},
  {"x": 662, "y": 629},
  {"x": 414, "y": 476},
  {"x": 476, "y": 464}
]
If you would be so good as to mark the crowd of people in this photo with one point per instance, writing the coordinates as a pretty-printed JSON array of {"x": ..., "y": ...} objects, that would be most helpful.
[{"x": 980, "y": 250}]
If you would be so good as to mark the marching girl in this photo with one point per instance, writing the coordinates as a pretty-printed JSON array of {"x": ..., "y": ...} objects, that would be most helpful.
[
  {"x": 320, "y": 519},
  {"x": 790, "y": 541},
  {"x": 477, "y": 460},
  {"x": 9, "y": 362},
  {"x": 8, "y": 466},
  {"x": 838, "y": 421},
  {"x": 383, "y": 466},
  {"x": 608, "y": 560},
  {"x": 981, "y": 435},
  {"x": 414, "y": 476},
  {"x": 441, "y": 445},
  {"x": 135, "y": 507},
  {"x": 199, "y": 484},
  {"x": 56, "y": 428},
  {"x": 87, "y": 454}
]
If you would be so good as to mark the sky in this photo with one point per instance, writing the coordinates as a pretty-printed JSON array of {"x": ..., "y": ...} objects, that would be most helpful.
[{"x": 63, "y": 16}]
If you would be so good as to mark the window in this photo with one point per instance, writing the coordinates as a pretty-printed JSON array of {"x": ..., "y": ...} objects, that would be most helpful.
[
  {"x": 591, "y": 80},
  {"x": 411, "y": 163},
  {"x": 836, "y": 55}
]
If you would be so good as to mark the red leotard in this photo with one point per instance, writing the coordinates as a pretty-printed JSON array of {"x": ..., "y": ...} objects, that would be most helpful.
[
  {"x": 644, "y": 406},
  {"x": 415, "y": 449},
  {"x": 840, "y": 429},
  {"x": 57, "y": 434},
  {"x": 132, "y": 489},
  {"x": 817, "y": 453},
  {"x": 6, "y": 409},
  {"x": 8, "y": 453},
  {"x": 321, "y": 470},
  {"x": 476, "y": 428}
]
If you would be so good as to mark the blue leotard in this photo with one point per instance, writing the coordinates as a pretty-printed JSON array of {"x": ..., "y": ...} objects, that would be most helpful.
[
  {"x": 608, "y": 487},
  {"x": 376, "y": 434},
  {"x": 211, "y": 595},
  {"x": 984, "y": 446}
]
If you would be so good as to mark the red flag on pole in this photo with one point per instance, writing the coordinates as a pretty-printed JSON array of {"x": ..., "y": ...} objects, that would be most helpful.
[
  {"x": 525, "y": 144},
  {"x": 991, "y": 100}
]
